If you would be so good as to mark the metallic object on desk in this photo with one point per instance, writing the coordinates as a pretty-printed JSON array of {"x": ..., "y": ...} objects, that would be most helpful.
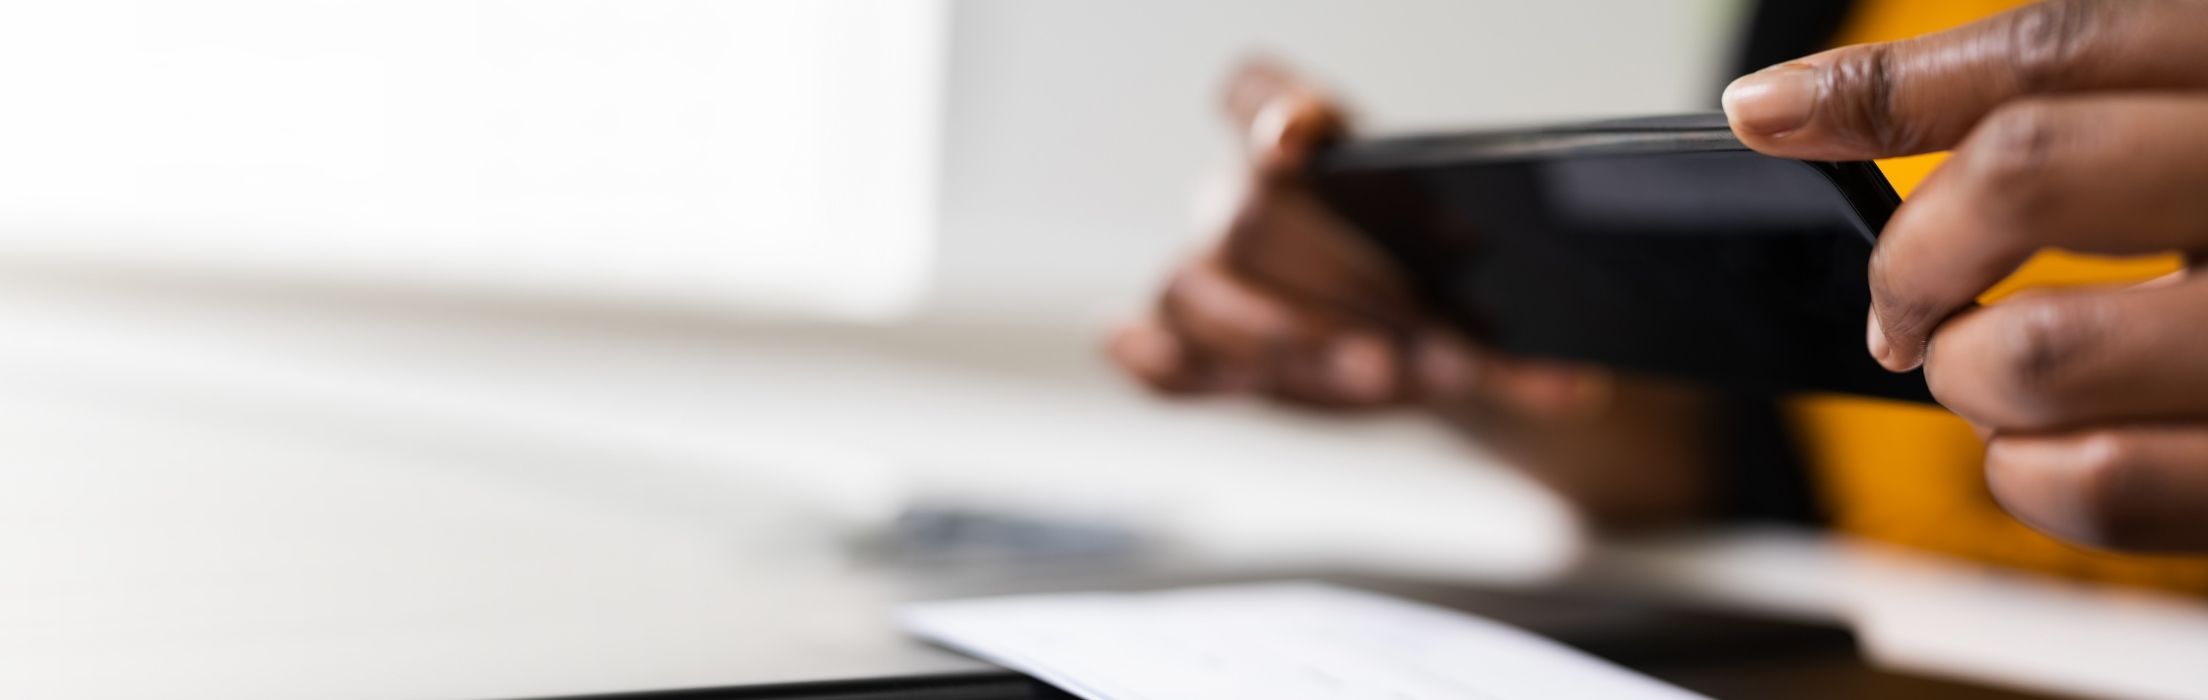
[{"x": 932, "y": 535}]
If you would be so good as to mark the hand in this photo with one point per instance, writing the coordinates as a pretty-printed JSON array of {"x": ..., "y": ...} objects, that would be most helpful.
[
  {"x": 2075, "y": 125},
  {"x": 1289, "y": 302}
]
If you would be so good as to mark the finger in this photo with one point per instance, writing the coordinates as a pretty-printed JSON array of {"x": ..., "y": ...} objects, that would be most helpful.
[
  {"x": 1546, "y": 388},
  {"x": 2062, "y": 359},
  {"x": 1225, "y": 316},
  {"x": 1283, "y": 236},
  {"x": 1352, "y": 368},
  {"x": 1923, "y": 94},
  {"x": 1287, "y": 349},
  {"x": 2137, "y": 488},
  {"x": 1282, "y": 117},
  {"x": 1447, "y": 369},
  {"x": 1444, "y": 367},
  {"x": 1151, "y": 353},
  {"x": 2051, "y": 172}
]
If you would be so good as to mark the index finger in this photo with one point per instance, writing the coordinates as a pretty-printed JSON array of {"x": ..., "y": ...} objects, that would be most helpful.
[{"x": 1924, "y": 94}]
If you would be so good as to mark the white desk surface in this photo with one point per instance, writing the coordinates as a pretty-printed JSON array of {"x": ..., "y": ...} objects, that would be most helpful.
[{"x": 208, "y": 497}]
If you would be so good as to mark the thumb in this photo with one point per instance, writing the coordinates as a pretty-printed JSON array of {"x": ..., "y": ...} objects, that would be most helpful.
[{"x": 1282, "y": 117}]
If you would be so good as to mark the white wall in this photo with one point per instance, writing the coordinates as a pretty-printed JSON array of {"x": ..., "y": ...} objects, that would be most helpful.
[
  {"x": 1078, "y": 131},
  {"x": 728, "y": 155}
]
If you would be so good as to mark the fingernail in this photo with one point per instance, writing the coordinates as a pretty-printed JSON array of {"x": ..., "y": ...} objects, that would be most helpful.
[
  {"x": 1774, "y": 100},
  {"x": 1269, "y": 126},
  {"x": 1874, "y": 336}
]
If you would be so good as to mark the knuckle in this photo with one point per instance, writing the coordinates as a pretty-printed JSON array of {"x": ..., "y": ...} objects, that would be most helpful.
[
  {"x": 1865, "y": 82},
  {"x": 1263, "y": 227},
  {"x": 1231, "y": 316},
  {"x": 1199, "y": 299},
  {"x": 2046, "y": 351},
  {"x": 2107, "y": 483},
  {"x": 2049, "y": 42},
  {"x": 1248, "y": 216},
  {"x": 2013, "y": 154},
  {"x": 1180, "y": 286}
]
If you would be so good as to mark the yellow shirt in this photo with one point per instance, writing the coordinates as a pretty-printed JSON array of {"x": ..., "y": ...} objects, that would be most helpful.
[{"x": 1914, "y": 475}]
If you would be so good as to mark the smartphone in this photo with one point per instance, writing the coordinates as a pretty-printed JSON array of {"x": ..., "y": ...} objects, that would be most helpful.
[{"x": 1659, "y": 245}]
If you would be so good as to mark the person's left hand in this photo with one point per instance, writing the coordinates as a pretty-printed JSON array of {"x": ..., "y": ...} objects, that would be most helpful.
[{"x": 2075, "y": 125}]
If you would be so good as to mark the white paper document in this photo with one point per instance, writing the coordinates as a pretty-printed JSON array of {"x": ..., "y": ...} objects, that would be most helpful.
[{"x": 1280, "y": 640}]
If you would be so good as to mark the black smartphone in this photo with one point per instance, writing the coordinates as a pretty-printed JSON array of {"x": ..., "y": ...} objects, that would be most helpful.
[{"x": 1656, "y": 245}]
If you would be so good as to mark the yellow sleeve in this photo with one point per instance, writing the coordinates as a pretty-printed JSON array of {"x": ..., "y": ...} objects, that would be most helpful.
[{"x": 1913, "y": 475}]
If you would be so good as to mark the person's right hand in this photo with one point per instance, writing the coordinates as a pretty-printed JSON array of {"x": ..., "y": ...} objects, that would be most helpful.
[
  {"x": 1289, "y": 301},
  {"x": 2074, "y": 125}
]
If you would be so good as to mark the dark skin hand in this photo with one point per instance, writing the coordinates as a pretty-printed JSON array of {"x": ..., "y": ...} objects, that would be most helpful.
[
  {"x": 1289, "y": 303},
  {"x": 2074, "y": 125}
]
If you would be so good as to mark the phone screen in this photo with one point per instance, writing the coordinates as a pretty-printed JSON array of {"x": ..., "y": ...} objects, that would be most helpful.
[{"x": 1661, "y": 251}]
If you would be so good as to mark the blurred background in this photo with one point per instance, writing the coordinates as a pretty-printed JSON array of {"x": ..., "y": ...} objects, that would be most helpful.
[
  {"x": 572, "y": 346},
  {"x": 841, "y": 160}
]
